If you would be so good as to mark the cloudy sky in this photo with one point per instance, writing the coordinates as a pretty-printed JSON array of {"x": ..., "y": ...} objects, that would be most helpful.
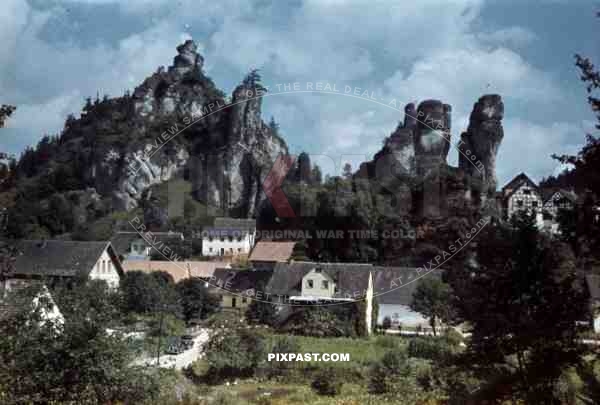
[{"x": 56, "y": 53}]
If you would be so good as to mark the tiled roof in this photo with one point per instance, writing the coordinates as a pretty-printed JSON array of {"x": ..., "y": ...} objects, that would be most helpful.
[
  {"x": 272, "y": 251},
  {"x": 238, "y": 281},
  {"x": 512, "y": 186},
  {"x": 235, "y": 223},
  {"x": 59, "y": 258},
  {"x": 177, "y": 270},
  {"x": 391, "y": 285},
  {"x": 351, "y": 278}
]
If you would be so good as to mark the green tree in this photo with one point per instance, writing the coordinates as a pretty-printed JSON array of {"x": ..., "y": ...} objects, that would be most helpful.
[
  {"x": 432, "y": 299},
  {"x": 149, "y": 293},
  {"x": 523, "y": 302},
  {"x": 234, "y": 353},
  {"x": 44, "y": 361},
  {"x": 196, "y": 301},
  {"x": 260, "y": 312},
  {"x": 387, "y": 374}
]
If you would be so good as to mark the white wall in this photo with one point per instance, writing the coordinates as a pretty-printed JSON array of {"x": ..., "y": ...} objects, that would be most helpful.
[
  {"x": 317, "y": 290},
  {"x": 104, "y": 269},
  {"x": 231, "y": 248}
]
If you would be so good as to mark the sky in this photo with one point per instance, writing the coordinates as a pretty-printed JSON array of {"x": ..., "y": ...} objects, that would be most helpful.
[{"x": 56, "y": 53}]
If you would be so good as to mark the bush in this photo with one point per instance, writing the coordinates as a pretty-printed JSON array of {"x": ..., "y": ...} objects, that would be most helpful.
[
  {"x": 429, "y": 348},
  {"x": 387, "y": 323},
  {"x": 284, "y": 344},
  {"x": 327, "y": 382},
  {"x": 260, "y": 312},
  {"x": 387, "y": 341},
  {"x": 388, "y": 373},
  {"x": 235, "y": 353}
]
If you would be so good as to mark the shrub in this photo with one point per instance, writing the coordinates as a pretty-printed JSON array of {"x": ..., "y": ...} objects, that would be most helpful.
[
  {"x": 429, "y": 348},
  {"x": 387, "y": 323},
  {"x": 284, "y": 344},
  {"x": 387, "y": 341},
  {"x": 235, "y": 353},
  {"x": 388, "y": 373},
  {"x": 452, "y": 337},
  {"x": 327, "y": 382},
  {"x": 260, "y": 312}
]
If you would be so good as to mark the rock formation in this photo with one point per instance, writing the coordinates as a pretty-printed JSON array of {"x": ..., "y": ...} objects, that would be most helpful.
[
  {"x": 479, "y": 144},
  {"x": 176, "y": 123}
]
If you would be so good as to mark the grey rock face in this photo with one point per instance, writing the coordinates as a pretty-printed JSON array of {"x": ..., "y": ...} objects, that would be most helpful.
[
  {"x": 227, "y": 148},
  {"x": 432, "y": 138},
  {"x": 479, "y": 144}
]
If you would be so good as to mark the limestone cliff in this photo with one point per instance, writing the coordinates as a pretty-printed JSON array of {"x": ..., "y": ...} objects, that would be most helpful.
[{"x": 175, "y": 123}]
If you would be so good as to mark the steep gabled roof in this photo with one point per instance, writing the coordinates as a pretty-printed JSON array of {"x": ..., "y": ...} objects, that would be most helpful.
[
  {"x": 272, "y": 252},
  {"x": 60, "y": 258},
  {"x": 548, "y": 193},
  {"x": 351, "y": 278},
  {"x": 515, "y": 183}
]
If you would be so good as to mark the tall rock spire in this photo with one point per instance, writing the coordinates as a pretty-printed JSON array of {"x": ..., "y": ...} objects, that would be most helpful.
[{"x": 479, "y": 144}]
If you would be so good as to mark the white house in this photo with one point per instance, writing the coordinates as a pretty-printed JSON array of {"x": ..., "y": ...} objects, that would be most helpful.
[
  {"x": 522, "y": 194},
  {"x": 555, "y": 201},
  {"x": 229, "y": 237},
  {"x": 53, "y": 260}
]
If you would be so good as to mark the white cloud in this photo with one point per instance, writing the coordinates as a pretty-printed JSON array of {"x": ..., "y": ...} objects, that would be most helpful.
[
  {"x": 528, "y": 147},
  {"x": 511, "y": 36},
  {"x": 411, "y": 51}
]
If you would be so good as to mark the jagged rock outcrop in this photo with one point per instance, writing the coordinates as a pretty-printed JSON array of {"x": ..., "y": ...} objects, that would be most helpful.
[
  {"x": 432, "y": 135},
  {"x": 479, "y": 144},
  {"x": 176, "y": 123}
]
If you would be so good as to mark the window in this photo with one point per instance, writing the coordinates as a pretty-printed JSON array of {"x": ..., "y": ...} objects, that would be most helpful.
[
  {"x": 239, "y": 250},
  {"x": 325, "y": 284},
  {"x": 317, "y": 270},
  {"x": 519, "y": 203},
  {"x": 309, "y": 284},
  {"x": 210, "y": 250},
  {"x": 244, "y": 300},
  {"x": 222, "y": 239},
  {"x": 230, "y": 239},
  {"x": 239, "y": 239},
  {"x": 534, "y": 203},
  {"x": 210, "y": 238},
  {"x": 527, "y": 192}
]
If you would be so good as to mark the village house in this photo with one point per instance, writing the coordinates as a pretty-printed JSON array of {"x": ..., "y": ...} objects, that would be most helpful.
[
  {"x": 266, "y": 254},
  {"x": 236, "y": 288},
  {"x": 54, "y": 260},
  {"x": 522, "y": 194},
  {"x": 556, "y": 200},
  {"x": 229, "y": 237},
  {"x": 133, "y": 246}
]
